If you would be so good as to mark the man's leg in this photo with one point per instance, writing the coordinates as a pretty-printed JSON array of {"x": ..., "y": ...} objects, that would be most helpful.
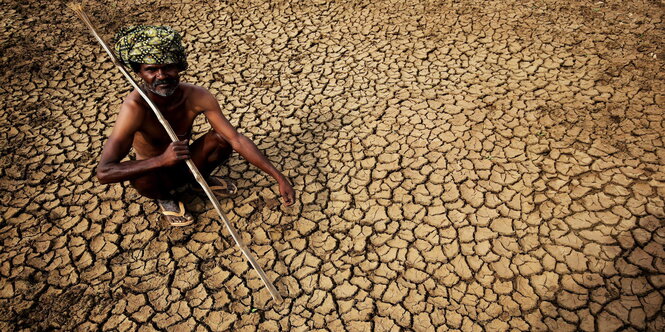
[
  {"x": 209, "y": 151},
  {"x": 158, "y": 185}
]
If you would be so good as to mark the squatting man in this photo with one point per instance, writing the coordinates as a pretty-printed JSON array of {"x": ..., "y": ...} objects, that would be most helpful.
[{"x": 157, "y": 56}]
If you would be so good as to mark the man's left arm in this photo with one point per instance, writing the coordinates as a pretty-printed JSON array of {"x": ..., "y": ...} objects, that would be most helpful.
[{"x": 243, "y": 145}]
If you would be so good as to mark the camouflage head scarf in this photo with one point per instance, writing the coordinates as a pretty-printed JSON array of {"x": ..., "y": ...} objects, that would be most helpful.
[{"x": 150, "y": 45}]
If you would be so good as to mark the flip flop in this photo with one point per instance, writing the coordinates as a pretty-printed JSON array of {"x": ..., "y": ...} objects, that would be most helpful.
[
  {"x": 181, "y": 213},
  {"x": 221, "y": 187}
]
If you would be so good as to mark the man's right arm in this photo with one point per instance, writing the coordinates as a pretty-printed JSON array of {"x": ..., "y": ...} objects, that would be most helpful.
[{"x": 110, "y": 169}]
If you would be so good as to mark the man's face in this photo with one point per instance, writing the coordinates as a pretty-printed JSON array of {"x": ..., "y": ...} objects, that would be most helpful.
[{"x": 161, "y": 80}]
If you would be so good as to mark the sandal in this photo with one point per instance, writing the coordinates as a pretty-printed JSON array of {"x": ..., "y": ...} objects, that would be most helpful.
[
  {"x": 221, "y": 188},
  {"x": 176, "y": 218}
]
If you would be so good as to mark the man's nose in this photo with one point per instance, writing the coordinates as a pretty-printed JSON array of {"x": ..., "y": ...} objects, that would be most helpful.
[{"x": 161, "y": 73}]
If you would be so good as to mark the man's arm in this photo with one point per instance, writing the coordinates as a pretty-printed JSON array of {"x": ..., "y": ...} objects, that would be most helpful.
[
  {"x": 110, "y": 169},
  {"x": 243, "y": 145}
]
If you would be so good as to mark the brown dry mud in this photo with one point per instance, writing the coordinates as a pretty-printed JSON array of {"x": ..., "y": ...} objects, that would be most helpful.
[{"x": 460, "y": 165}]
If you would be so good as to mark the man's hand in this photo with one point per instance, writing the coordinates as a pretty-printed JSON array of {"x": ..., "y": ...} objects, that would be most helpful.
[
  {"x": 287, "y": 192},
  {"x": 175, "y": 153}
]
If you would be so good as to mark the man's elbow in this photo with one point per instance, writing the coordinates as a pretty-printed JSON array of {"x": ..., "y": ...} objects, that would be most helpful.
[
  {"x": 238, "y": 142},
  {"x": 103, "y": 175}
]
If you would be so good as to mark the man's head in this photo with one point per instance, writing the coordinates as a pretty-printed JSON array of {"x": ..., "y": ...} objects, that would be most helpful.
[
  {"x": 161, "y": 80},
  {"x": 155, "y": 53}
]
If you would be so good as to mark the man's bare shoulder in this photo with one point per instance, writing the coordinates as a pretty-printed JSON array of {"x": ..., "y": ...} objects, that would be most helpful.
[
  {"x": 198, "y": 97},
  {"x": 134, "y": 103},
  {"x": 195, "y": 90}
]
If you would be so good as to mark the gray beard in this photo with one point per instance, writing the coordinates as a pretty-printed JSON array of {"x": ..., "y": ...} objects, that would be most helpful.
[{"x": 161, "y": 92}]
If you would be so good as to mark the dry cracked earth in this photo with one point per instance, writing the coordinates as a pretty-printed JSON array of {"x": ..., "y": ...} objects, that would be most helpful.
[{"x": 460, "y": 165}]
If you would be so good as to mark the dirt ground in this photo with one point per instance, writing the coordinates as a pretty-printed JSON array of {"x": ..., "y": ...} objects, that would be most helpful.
[{"x": 460, "y": 165}]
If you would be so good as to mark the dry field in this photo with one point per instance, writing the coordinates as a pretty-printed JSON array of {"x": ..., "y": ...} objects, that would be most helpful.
[{"x": 460, "y": 165}]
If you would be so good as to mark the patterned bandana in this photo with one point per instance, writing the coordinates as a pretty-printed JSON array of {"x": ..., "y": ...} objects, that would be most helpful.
[{"x": 149, "y": 44}]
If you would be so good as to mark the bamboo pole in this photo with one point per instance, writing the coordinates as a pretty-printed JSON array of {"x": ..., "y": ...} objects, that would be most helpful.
[{"x": 78, "y": 9}]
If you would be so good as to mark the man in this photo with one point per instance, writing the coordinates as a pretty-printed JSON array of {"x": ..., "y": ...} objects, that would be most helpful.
[{"x": 157, "y": 56}]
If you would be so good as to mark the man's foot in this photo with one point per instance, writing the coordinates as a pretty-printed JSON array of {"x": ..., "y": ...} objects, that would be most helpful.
[
  {"x": 221, "y": 188},
  {"x": 174, "y": 212}
]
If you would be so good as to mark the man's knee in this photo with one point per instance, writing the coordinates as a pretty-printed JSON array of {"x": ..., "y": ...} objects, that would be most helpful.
[
  {"x": 151, "y": 186},
  {"x": 144, "y": 187},
  {"x": 219, "y": 148},
  {"x": 220, "y": 141}
]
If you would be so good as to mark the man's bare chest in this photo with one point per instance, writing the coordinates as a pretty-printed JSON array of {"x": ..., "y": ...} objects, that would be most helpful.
[{"x": 153, "y": 133}]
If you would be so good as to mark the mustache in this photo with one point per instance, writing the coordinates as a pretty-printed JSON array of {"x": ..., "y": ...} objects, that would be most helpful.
[{"x": 170, "y": 81}]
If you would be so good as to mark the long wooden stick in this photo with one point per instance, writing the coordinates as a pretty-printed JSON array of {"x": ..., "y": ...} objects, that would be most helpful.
[{"x": 78, "y": 9}]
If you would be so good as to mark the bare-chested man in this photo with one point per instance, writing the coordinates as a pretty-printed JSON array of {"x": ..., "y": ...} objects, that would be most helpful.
[{"x": 156, "y": 55}]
